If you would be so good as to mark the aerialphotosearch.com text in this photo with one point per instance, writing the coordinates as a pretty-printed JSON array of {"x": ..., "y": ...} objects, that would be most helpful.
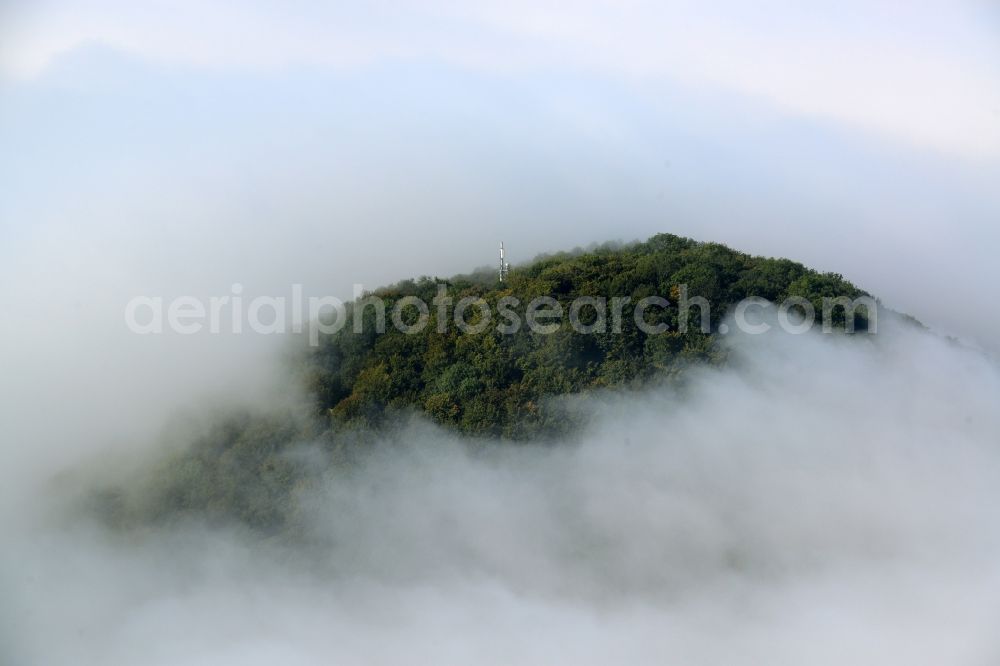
[{"x": 325, "y": 315}]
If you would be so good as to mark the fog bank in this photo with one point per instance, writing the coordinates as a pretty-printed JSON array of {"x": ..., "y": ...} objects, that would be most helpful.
[{"x": 824, "y": 500}]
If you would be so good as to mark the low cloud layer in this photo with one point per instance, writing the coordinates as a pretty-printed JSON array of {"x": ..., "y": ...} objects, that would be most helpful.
[
  {"x": 821, "y": 501},
  {"x": 824, "y": 500}
]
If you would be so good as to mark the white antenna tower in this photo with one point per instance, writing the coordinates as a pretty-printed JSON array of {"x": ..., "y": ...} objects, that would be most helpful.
[{"x": 504, "y": 267}]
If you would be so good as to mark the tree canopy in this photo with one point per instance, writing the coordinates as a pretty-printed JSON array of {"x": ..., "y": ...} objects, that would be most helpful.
[{"x": 490, "y": 385}]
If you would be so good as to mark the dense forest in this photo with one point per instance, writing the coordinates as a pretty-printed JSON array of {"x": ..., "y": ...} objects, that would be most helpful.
[{"x": 492, "y": 385}]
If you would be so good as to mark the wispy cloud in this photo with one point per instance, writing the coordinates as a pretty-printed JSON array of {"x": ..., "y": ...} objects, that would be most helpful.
[{"x": 926, "y": 74}]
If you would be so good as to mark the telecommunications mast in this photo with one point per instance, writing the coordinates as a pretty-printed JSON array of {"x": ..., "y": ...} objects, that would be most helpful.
[{"x": 504, "y": 267}]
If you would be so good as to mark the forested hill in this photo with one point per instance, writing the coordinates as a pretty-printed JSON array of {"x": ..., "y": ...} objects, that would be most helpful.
[{"x": 493, "y": 384}]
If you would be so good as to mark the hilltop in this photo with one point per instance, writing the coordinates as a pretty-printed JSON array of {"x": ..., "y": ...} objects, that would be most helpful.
[{"x": 488, "y": 381}]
